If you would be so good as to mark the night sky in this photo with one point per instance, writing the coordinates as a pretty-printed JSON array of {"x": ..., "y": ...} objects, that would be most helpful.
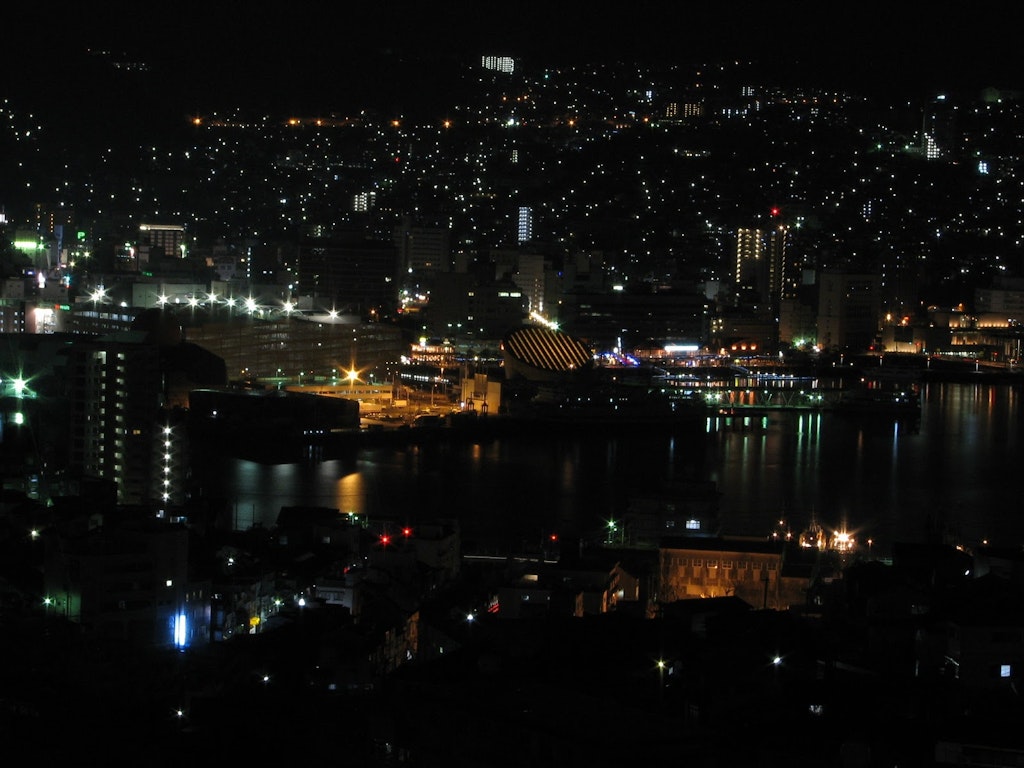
[{"x": 331, "y": 55}]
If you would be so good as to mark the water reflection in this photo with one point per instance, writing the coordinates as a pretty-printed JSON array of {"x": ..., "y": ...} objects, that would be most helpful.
[{"x": 956, "y": 470}]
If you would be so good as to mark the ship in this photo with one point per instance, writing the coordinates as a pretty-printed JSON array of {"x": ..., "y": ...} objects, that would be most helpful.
[{"x": 879, "y": 401}]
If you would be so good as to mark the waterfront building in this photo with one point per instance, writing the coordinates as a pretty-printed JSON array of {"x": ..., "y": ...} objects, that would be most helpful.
[
  {"x": 126, "y": 395},
  {"x": 849, "y": 309},
  {"x": 266, "y": 425},
  {"x": 541, "y": 354},
  {"x": 256, "y": 338},
  {"x": 301, "y": 347}
]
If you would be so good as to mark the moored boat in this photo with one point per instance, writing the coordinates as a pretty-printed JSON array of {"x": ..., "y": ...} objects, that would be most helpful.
[{"x": 879, "y": 401}]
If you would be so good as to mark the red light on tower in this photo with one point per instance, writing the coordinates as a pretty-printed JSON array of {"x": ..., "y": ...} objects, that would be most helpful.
[
  {"x": 385, "y": 540},
  {"x": 407, "y": 532},
  {"x": 775, "y": 210}
]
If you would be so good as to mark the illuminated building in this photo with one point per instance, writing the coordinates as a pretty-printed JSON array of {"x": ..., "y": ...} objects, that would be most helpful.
[
  {"x": 363, "y": 201},
  {"x": 317, "y": 346},
  {"x": 503, "y": 64},
  {"x": 256, "y": 340},
  {"x": 695, "y": 566},
  {"x": 750, "y": 246},
  {"x": 939, "y": 133},
  {"x": 158, "y": 241},
  {"x": 524, "y": 233},
  {"x": 763, "y": 271},
  {"x": 127, "y": 392}
]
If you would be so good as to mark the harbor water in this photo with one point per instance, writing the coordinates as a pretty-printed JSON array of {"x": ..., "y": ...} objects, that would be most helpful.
[{"x": 954, "y": 471}]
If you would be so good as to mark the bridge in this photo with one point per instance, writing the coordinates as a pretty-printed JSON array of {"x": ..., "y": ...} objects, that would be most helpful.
[{"x": 751, "y": 399}]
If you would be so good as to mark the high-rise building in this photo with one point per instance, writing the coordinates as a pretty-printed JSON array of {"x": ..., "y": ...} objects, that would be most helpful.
[
  {"x": 363, "y": 201},
  {"x": 504, "y": 64},
  {"x": 750, "y": 271},
  {"x": 784, "y": 274},
  {"x": 127, "y": 394},
  {"x": 939, "y": 129},
  {"x": 524, "y": 233},
  {"x": 116, "y": 396},
  {"x": 764, "y": 271}
]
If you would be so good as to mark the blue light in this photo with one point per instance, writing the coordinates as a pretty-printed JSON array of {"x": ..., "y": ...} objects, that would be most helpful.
[{"x": 180, "y": 630}]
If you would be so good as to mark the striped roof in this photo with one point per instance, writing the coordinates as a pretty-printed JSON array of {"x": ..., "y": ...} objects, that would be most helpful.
[{"x": 546, "y": 349}]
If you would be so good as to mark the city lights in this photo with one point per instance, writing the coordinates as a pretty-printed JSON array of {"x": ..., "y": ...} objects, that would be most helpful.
[{"x": 606, "y": 323}]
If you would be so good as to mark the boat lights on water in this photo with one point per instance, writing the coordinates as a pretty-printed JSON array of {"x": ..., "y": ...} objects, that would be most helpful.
[{"x": 814, "y": 536}]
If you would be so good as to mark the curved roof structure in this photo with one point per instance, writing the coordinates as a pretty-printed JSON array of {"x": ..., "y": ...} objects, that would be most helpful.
[{"x": 543, "y": 354}]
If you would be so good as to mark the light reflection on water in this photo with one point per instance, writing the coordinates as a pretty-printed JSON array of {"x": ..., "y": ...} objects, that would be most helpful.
[{"x": 958, "y": 469}]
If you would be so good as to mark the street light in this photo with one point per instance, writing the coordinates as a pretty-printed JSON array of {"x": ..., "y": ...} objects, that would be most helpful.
[{"x": 612, "y": 530}]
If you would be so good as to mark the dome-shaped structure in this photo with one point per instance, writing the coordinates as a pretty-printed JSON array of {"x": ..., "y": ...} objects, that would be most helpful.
[
  {"x": 542, "y": 354},
  {"x": 160, "y": 326}
]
